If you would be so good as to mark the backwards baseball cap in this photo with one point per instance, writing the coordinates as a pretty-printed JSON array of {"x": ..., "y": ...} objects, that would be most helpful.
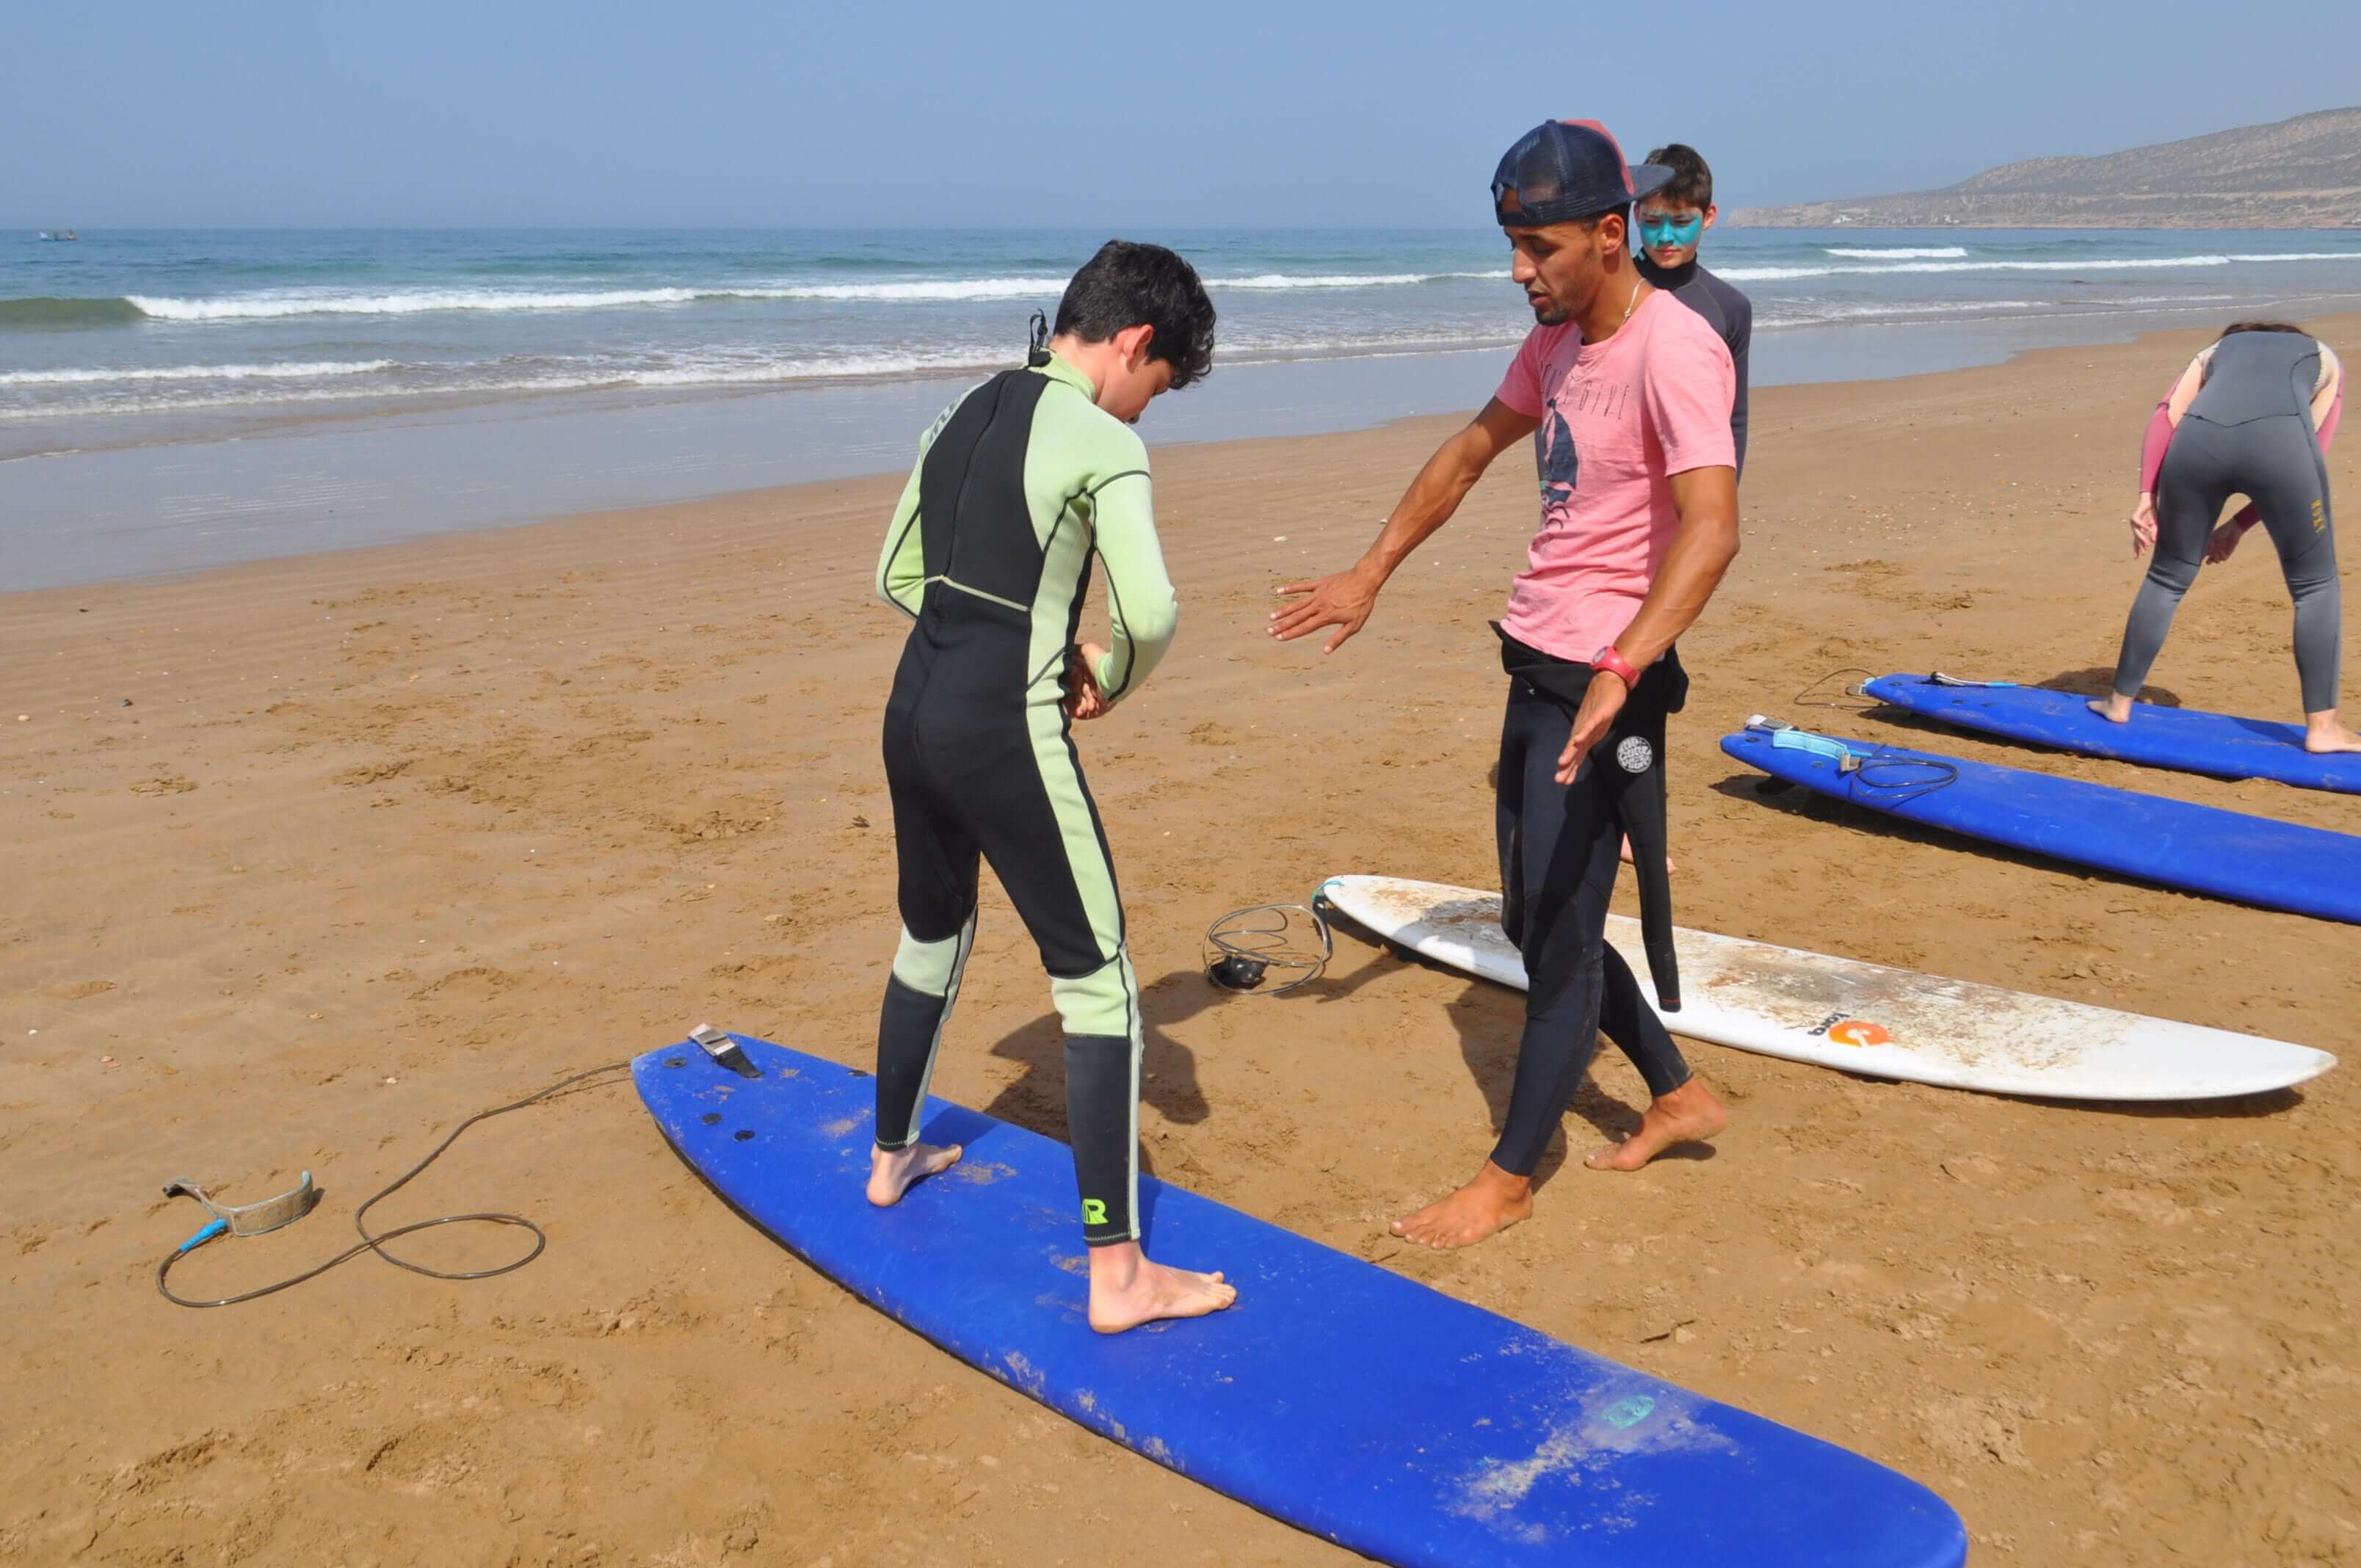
[{"x": 1563, "y": 169}]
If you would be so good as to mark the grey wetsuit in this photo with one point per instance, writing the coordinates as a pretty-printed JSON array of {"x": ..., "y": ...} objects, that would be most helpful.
[{"x": 2248, "y": 433}]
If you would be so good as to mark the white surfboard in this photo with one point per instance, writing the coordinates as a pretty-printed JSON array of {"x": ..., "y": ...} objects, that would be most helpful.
[{"x": 1863, "y": 1018}]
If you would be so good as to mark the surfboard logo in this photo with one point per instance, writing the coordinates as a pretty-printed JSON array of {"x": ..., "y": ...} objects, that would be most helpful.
[
  {"x": 1625, "y": 1414},
  {"x": 1634, "y": 755},
  {"x": 1845, "y": 1031}
]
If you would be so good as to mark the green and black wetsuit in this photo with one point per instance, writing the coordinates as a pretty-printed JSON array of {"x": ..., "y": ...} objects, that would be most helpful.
[{"x": 1018, "y": 486}]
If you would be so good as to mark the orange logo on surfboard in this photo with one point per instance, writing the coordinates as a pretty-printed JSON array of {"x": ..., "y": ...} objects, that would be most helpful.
[{"x": 1847, "y": 1031}]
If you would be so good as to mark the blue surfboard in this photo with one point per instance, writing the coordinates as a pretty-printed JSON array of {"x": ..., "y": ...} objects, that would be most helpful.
[
  {"x": 2185, "y": 739},
  {"x": 2228, "y": 854},
  {"x": 1337, "y": 1395}
]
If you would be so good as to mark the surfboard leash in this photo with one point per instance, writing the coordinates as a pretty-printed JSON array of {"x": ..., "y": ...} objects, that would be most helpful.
[
  {"x": 1809, "y": 698},
  {"x": 256, "y": 1219},
  {"x": 1243, "y": 947}
]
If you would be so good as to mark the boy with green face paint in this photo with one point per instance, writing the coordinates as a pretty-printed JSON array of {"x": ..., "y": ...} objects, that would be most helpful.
[{"x": 1671, "y": 224}]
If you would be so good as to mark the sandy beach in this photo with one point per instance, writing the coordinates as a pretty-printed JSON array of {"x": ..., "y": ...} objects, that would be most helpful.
[{"x": 313, "y": 858}]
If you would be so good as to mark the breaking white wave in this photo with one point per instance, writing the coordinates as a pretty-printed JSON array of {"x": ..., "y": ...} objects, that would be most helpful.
[
  {"x": 276, "y": 306},
  {"x": 294, "y": 371},
  {"x": 1342, "y": 279},
  {"x": 282, "y": 304}
]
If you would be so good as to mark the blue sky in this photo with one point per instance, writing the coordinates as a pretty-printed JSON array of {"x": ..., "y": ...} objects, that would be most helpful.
[{"x": 721, "y": 112}]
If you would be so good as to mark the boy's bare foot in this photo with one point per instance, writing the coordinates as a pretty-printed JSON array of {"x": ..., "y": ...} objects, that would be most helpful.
[
  {"x": 2321, "y": 733},
  {"x": 893, "y": 1172},
  {"x": 1127, "y": 1290},
  {"x": 1492, "y": 1201},
  {"x": 1671, "y": 864},
  {"x": 1687, "y": 1114},
  {"x": 2112, "y": 708}
]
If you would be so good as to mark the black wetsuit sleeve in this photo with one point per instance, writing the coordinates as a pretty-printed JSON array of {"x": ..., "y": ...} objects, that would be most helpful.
[
  {"x": 1738, "y": 332},
  {"x": 1731, "y": 314}
]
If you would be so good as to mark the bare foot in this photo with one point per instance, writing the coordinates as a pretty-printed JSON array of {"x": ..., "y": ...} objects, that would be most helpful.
[
  {"x": 2322, "y": 734},
  {"x": 1688, "y": 1115},
  {"x": 2112, "y": 708},
  {"x": 1671, "y": 865},
  {"x": 893, "y": 1172},
  {"x": 1493, "y": 1202},
  {"x": 1127, "y": 1290}
]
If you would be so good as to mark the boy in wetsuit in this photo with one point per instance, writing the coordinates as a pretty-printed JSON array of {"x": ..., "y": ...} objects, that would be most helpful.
[
  {"x": 1672, "y": 224},
  {"x": 1020, "y": 484}
]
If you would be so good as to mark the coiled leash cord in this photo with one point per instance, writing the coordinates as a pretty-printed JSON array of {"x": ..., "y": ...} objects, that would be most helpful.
[
  {"x": 1243, "y": 947},
  {"x": 376, "y": 1242}
]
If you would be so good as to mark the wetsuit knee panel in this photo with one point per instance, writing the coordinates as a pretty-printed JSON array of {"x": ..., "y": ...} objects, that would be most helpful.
[
  {"x": 1103, "y": 1002},
  {"x": 932, "y": 967}
]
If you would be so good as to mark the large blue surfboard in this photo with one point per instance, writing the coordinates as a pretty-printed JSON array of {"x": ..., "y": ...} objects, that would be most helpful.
[
  {"x": 1337, "y": 1395},
  {"x": 2228, "y": 854},
  {"x": 2185, "y": 739}
]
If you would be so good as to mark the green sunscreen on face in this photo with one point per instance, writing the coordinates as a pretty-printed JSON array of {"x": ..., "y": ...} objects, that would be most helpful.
[{"x": 1655, "y": 233}]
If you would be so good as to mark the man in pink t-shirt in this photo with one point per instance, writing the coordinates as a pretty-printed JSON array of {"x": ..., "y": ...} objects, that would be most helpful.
[{"x": 1629, "y": 394}]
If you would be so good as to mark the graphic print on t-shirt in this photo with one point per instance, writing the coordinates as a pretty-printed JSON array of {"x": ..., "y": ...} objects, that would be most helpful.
[
  {"x": 1561, "y": 464},
  {"x": 1561, "y": 458}
]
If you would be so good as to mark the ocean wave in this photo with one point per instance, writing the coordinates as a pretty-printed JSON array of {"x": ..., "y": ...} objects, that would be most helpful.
[
  {"x": 1780, "y": 313},
  {"x": 41, "y": 310},
  {"x": 1342, "y": 279},
  {"x": 1903, "y": 252},
  {"x": 2098, "y": 264},
  {"x": 739, "y": 372},
  {"x": 436, "y": 382},
  {"x": 203, "y": 402},
  {"x": 301, "y": 370},
  {"x": 914, "y": 291},
  {"x": 271, "y": 307},
  {"x": 420, "y": 301},
  {"x": 410, "y": 384}
]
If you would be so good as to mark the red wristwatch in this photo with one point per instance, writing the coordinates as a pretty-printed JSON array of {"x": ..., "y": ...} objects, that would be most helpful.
[{"x": 1616, "y": 664}]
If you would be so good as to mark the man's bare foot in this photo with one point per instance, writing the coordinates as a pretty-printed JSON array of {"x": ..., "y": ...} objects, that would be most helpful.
[
  {"x": 1493, "y": 1202},
  {"x": 2321, "y": 733},
  {"x": 2112, "y": 708},
  {"x": 1671, "y": 864},
  {"x": 1687, "y": 1114},
  {"x": 1127, "y": 1290},
  {"x": 893, "y": 1172}
]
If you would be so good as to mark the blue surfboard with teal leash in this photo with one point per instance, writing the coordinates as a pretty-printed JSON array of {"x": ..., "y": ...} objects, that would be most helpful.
[
  {"x": 2184, "y": 739},
  {"x": 2199, "y": 848},
  {"x": 1337, "y": 1395}
]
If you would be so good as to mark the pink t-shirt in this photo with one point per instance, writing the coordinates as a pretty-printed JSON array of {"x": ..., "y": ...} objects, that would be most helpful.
[{"x": 1618, "y": 420}]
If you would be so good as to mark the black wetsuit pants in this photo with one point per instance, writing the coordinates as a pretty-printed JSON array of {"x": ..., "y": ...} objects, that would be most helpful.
[{"x": 1559, "y": 848}]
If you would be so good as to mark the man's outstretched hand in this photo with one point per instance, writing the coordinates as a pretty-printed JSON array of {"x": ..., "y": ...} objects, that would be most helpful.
[
  {"x": 1343, "y": 601},
  {"x": 1602, "y": 702}
]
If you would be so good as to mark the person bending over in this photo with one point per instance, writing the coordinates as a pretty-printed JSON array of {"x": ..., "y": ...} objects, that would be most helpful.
[{"x": 2252, "y": 415}]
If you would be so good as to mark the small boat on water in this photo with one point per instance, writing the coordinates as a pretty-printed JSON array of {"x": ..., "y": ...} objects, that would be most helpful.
[{"x": 62, "y": 233}]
